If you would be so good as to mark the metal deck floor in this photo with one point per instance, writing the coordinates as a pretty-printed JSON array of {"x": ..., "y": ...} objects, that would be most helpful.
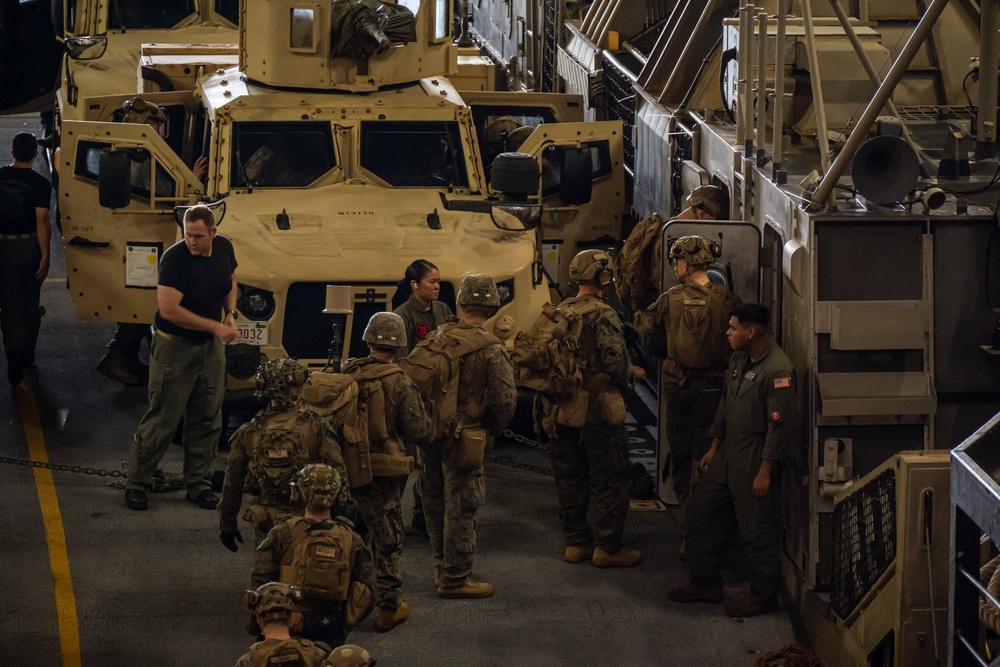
[{"x": 157, "y": 588}]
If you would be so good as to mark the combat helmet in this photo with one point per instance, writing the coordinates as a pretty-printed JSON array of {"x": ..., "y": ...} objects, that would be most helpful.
[
  {"x": 695, "y": 249},
  {"x": 350, "y": 655},
  {"x": 478, "y": 290},
  {"x": 711, "y": 199},
  {"x": 138, "y": 110},
  {"x": 592, "y": 267},
  {"x": 317, "y": 486},
  {"x": 273, "y": 601},
  {"x": 385, "y": 330},
  {"x": 276, "y": 379}
]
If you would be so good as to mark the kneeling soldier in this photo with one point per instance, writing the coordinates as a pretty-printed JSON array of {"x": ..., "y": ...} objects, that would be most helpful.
[
  {"x": 323, "y": 556},
  {"x": 273, "y": 605}
]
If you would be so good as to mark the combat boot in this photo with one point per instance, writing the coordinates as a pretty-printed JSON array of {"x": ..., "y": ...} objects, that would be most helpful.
[
  {"x": 686, "y": 593},
  {"x": 578, "y": 553},
  {"x": 622, "y": 558},
  {"x": 115, "y": 368},
  {"x": 471, "y": 589},
  {"x": 387, "y": 619},
  {"x": 747, "y": 606}
]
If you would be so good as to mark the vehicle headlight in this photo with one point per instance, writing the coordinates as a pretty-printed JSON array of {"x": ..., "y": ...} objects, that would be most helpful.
[
  {"x": 505, "y": 290},
  {"x": 254, "y": 303}
]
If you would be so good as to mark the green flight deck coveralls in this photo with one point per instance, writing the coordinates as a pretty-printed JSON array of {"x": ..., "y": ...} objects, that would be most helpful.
[{"x": 757, "y": 418}]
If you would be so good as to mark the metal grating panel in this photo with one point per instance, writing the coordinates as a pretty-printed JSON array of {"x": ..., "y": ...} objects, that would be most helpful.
[
  {"x": 864, "y": 541},
  {"x": 551, "y": 27},
  {"x": 619, "y": 100}
]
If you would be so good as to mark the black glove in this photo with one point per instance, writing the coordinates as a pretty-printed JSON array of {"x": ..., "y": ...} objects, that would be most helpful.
[{"x": 230, "y": 538}]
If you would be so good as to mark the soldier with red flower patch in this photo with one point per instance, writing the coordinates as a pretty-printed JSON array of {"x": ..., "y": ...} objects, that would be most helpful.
[{"x": 422, "y": 313}]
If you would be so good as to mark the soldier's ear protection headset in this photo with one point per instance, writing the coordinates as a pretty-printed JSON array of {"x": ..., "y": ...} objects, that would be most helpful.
[
  {"x": 298, "y": 377},
  {"x": 603, "y": 277},
  {"x": 252, "y": 598},
  {"x": 687, "y": 246}
]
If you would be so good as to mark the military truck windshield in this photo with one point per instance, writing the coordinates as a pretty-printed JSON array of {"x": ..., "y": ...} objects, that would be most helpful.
[
  {"x": 414, "y": 154},
  {"x": 281, "y": 154},
  {"x": 147, "y": 13},
  {"x": 229, "y": 10}
]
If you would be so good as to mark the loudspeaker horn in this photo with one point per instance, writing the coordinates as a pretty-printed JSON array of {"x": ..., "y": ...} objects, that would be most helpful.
[{"x": 885, "y": 170}]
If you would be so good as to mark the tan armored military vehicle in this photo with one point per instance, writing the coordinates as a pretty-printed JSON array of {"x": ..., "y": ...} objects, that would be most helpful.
[{"x": 337, "y": 162}]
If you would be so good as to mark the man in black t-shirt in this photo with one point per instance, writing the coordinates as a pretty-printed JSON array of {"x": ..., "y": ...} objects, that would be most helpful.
[
  {"x": 196, "y": 299},
  {"x": 25, "y": 232}
]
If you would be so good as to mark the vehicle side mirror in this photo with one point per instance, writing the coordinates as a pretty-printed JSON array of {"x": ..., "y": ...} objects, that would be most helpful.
[
  {"x": 516, "y": 217},
  {"x": 86, "y": 48},
  {"x": 114, "y": 178},
  {"x": 576, "y": 176}
]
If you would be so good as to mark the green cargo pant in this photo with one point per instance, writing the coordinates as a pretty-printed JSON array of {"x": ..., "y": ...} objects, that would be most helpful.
[
  {"x": 452, "y": 497},
  {"x": 379, "y": 505},
  {"x": 188, "y": 381}
]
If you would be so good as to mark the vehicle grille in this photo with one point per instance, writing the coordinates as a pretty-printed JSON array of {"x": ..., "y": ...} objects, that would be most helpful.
[
  {"x": 864, "y": 541},
  {"x": 307, "y": 330}
]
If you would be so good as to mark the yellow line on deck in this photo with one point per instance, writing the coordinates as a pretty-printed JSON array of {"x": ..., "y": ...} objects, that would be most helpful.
[{"x": 55, "y": 536}]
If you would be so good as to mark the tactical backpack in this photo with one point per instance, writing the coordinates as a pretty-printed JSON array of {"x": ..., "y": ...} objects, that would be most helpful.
[
  {"x": 387, "y": 453},
  {"x": 318, "y": 560},
  {"x": 546, "y": 357},
  {"x": 434, "y": 366},
  {"x": 699, "y": 317},
  {"x": 336, "y": 395},
  {"x": 278, "y": 453},
  {"x": 289, "y": 653},
  {"x": 637, "y": 268}
]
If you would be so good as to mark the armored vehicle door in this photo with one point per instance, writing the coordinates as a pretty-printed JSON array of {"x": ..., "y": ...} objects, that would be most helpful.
[
  {"x": 29, "y": 56},
  {"x": 581, "y": 188},
  {"x": 112, "y": 254},
  {"x": 738, "y": 266}
]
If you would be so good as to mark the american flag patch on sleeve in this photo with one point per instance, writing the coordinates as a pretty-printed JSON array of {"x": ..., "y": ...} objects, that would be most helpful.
[{"x": 782, "y": 383}]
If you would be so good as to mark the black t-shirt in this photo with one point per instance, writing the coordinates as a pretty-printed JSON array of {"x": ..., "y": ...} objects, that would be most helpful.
[
  {"x": 22, "y": 190},
  {"x": 204, "y": 282}
]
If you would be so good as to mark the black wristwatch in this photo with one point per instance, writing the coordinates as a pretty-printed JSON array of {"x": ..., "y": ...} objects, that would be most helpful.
[{"x": 231, "y": 312}]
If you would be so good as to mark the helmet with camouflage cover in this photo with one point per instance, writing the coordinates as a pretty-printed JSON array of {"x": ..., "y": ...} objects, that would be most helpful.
[
  {"x": 711, "y": 199},
  {"x": 478, "y": 290},
  {"x": 349, "y": 655},
  {"x": 695, "y": 249},
  {"x": 316, "y": 485},
  {"x": 277, "y": 378},
  {"x": 591, "y": 267},
  {"x": 385, "y": 330},
  {"x": 138, "y": 110},
  {"x": 273, "y": 601}
]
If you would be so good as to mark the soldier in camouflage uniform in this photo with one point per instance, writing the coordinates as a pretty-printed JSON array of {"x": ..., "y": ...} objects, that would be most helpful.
[
  {"x": 267, "y": 451},
  {"x": 319, "y": 488},
  {"x": 689, "y": 332},
  {"x": 396, "y": 416},
  {"x": 589, "y": 445},
  {"x": 486, "y": 399},
  {"x": 273, "y": 604}
]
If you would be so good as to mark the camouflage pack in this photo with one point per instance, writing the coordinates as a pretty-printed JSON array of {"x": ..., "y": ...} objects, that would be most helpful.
[
  {"x": 546, "y": 358},
  {"x": 434, "y": 364},
  {"x": 387, "y": 453},
  {"x": 699, "y": 318},
  {"x": 637, "y": 268},
  {"x": 288, "y": 653},
  {"x": 336, "y": 395},
  {"x": 318, "y": 560},
  {"x": 278, "y": 453}
]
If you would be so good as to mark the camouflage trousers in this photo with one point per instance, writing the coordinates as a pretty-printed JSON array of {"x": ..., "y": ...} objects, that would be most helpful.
[
  {"x": 690, "y": 412},
  {"x": 451, "y": 499},
  {"x": 592, "y": 462},
  {"x": 379, "y": 505}
]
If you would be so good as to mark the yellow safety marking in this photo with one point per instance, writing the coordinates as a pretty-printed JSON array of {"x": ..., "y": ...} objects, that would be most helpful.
[{"x": 55, "y": 536}]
